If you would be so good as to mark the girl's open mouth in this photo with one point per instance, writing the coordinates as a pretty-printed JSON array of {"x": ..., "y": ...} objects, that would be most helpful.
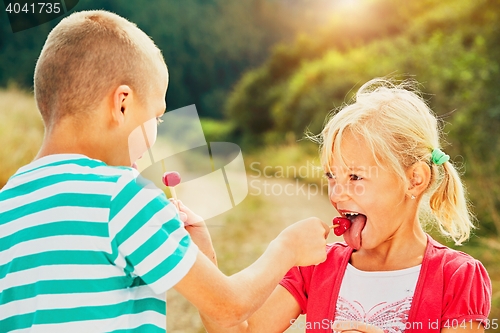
[{"x": 352, "y": 236}]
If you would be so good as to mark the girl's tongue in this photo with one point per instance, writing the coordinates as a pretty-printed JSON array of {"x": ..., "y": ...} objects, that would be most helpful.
[{"x": 353, "y": 235}]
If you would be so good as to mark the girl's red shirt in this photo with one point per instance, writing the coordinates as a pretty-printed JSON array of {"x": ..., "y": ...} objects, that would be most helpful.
[{"x": 453, "y": 289}]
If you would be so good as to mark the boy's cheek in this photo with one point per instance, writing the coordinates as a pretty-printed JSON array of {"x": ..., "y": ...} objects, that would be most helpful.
[{"x": 141, "y": 139}]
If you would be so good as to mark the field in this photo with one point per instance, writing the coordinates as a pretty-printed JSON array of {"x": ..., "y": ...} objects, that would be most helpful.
[
  {"x": 241, "y": 234},
  {"x": 21, "y": 131}
]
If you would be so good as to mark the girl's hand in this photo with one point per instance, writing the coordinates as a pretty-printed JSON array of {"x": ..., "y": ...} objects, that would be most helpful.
[
  {"x": 355, "y": 326},
  {"x": 197, "y": 229}
]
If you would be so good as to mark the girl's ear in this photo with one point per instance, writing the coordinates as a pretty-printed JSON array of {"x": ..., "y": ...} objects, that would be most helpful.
[
  {"x": 121, "y": 103},
  {"x": 419, "y": 176}
]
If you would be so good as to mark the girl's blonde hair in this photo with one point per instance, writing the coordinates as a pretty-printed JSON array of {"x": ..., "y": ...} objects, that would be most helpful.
[{"x": 401, "y": 130}]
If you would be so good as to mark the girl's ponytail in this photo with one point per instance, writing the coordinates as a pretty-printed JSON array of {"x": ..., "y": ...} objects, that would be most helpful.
[{"x": 449, "y": 205}]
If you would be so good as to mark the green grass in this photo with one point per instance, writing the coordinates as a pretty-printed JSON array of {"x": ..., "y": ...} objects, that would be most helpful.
[
  {"x": 294, "y": 160},
  {"x": 21, "y": 131},
  {"x": 216, "y": 130}
]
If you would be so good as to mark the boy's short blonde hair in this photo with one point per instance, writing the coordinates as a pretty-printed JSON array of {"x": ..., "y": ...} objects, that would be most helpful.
[{"x": 85, "y": 56}]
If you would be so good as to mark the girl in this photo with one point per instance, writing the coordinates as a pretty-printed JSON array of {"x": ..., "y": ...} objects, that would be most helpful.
[{"x": 384, "y": 165}]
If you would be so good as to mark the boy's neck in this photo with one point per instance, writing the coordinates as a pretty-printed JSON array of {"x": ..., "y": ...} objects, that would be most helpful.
[{"x": 70, "y": 138}]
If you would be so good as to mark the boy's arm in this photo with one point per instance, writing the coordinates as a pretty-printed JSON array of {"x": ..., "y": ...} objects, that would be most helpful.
[
  {"x": 197, "y": 229},
  {"x": 277, "y": 314},
  {"x": 228, "y": 301}
]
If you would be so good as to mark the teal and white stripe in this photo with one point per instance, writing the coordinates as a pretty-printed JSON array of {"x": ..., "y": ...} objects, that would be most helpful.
[{"x": 85, "y": 247}]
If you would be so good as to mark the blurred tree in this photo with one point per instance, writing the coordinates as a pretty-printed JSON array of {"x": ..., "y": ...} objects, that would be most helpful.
[
  {"x": 207, "y": 44},
  {"x": 452, "y": 48}
]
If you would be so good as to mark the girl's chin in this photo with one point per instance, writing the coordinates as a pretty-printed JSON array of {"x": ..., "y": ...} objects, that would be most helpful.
[
  {"x": 372, "y": 241},
  {"x": 369, "y": 241}
]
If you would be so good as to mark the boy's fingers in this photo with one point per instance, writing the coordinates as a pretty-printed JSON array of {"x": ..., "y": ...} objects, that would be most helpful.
[
  {"x": 183, "y": 216},
  {"x": 176, "y": 202},
  {"x": 327, "y": 229},
  {"x": 185, "y": 213}
]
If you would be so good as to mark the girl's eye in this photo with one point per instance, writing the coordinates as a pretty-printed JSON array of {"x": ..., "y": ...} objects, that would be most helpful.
[
  {"x": 355, "y": 177},
  {"x": 329, "y": 175},
  {"x": 159, "y": 120}
]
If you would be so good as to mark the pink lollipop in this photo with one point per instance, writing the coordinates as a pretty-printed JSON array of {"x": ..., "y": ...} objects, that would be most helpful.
[
  {"x": 340, "y": 225},
  {"x": 171, "y": 179}
]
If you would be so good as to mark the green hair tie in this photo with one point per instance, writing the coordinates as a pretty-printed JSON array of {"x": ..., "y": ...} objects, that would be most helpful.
[{"x": 438, "y": 157}]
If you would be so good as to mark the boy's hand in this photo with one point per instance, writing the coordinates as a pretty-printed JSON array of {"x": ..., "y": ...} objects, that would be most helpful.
[
  {"x": 195, "y": 225},
  {"x": 306, "y": 239},
  {"x": 187, "y": 216},
  {"x": 227, "y": 301}
]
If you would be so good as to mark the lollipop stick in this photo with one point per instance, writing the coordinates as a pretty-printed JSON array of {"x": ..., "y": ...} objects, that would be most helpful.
[
  {"x": 334, "y": 226},
  {"x": 171, "y": 179},
  {"x": 174, "y": 195}
]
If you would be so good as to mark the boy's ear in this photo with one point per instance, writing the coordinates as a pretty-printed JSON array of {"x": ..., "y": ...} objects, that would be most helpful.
[
  {"x": 419, "y": 176},
  {"x": 121, "y": 103}
]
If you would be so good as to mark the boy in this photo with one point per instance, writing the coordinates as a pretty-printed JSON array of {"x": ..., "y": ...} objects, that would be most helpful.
[{"x": 86, "y": 245}]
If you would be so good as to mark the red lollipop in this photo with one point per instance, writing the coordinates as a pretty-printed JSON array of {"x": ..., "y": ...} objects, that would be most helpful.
[
  {"x": 340, "y": 225},
  {"x": 171, "y": 179}
]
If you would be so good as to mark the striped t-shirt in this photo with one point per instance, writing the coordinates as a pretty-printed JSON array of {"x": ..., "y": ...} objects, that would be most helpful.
[{"x": 85, "y": 247}]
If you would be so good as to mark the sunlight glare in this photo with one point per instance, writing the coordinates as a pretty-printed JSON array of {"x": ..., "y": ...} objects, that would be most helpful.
[{"x": 348, "y": 3}]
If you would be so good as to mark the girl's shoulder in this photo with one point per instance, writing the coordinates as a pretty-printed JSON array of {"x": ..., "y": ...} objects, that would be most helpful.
[
  {"x": 457, "y": 271},
  {"x": 461, "y": 283},
  {"x": 446, "y": 257}
]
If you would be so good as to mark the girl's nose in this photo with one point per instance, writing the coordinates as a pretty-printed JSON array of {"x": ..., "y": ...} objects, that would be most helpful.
[{"x": 339, "y": 192}]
